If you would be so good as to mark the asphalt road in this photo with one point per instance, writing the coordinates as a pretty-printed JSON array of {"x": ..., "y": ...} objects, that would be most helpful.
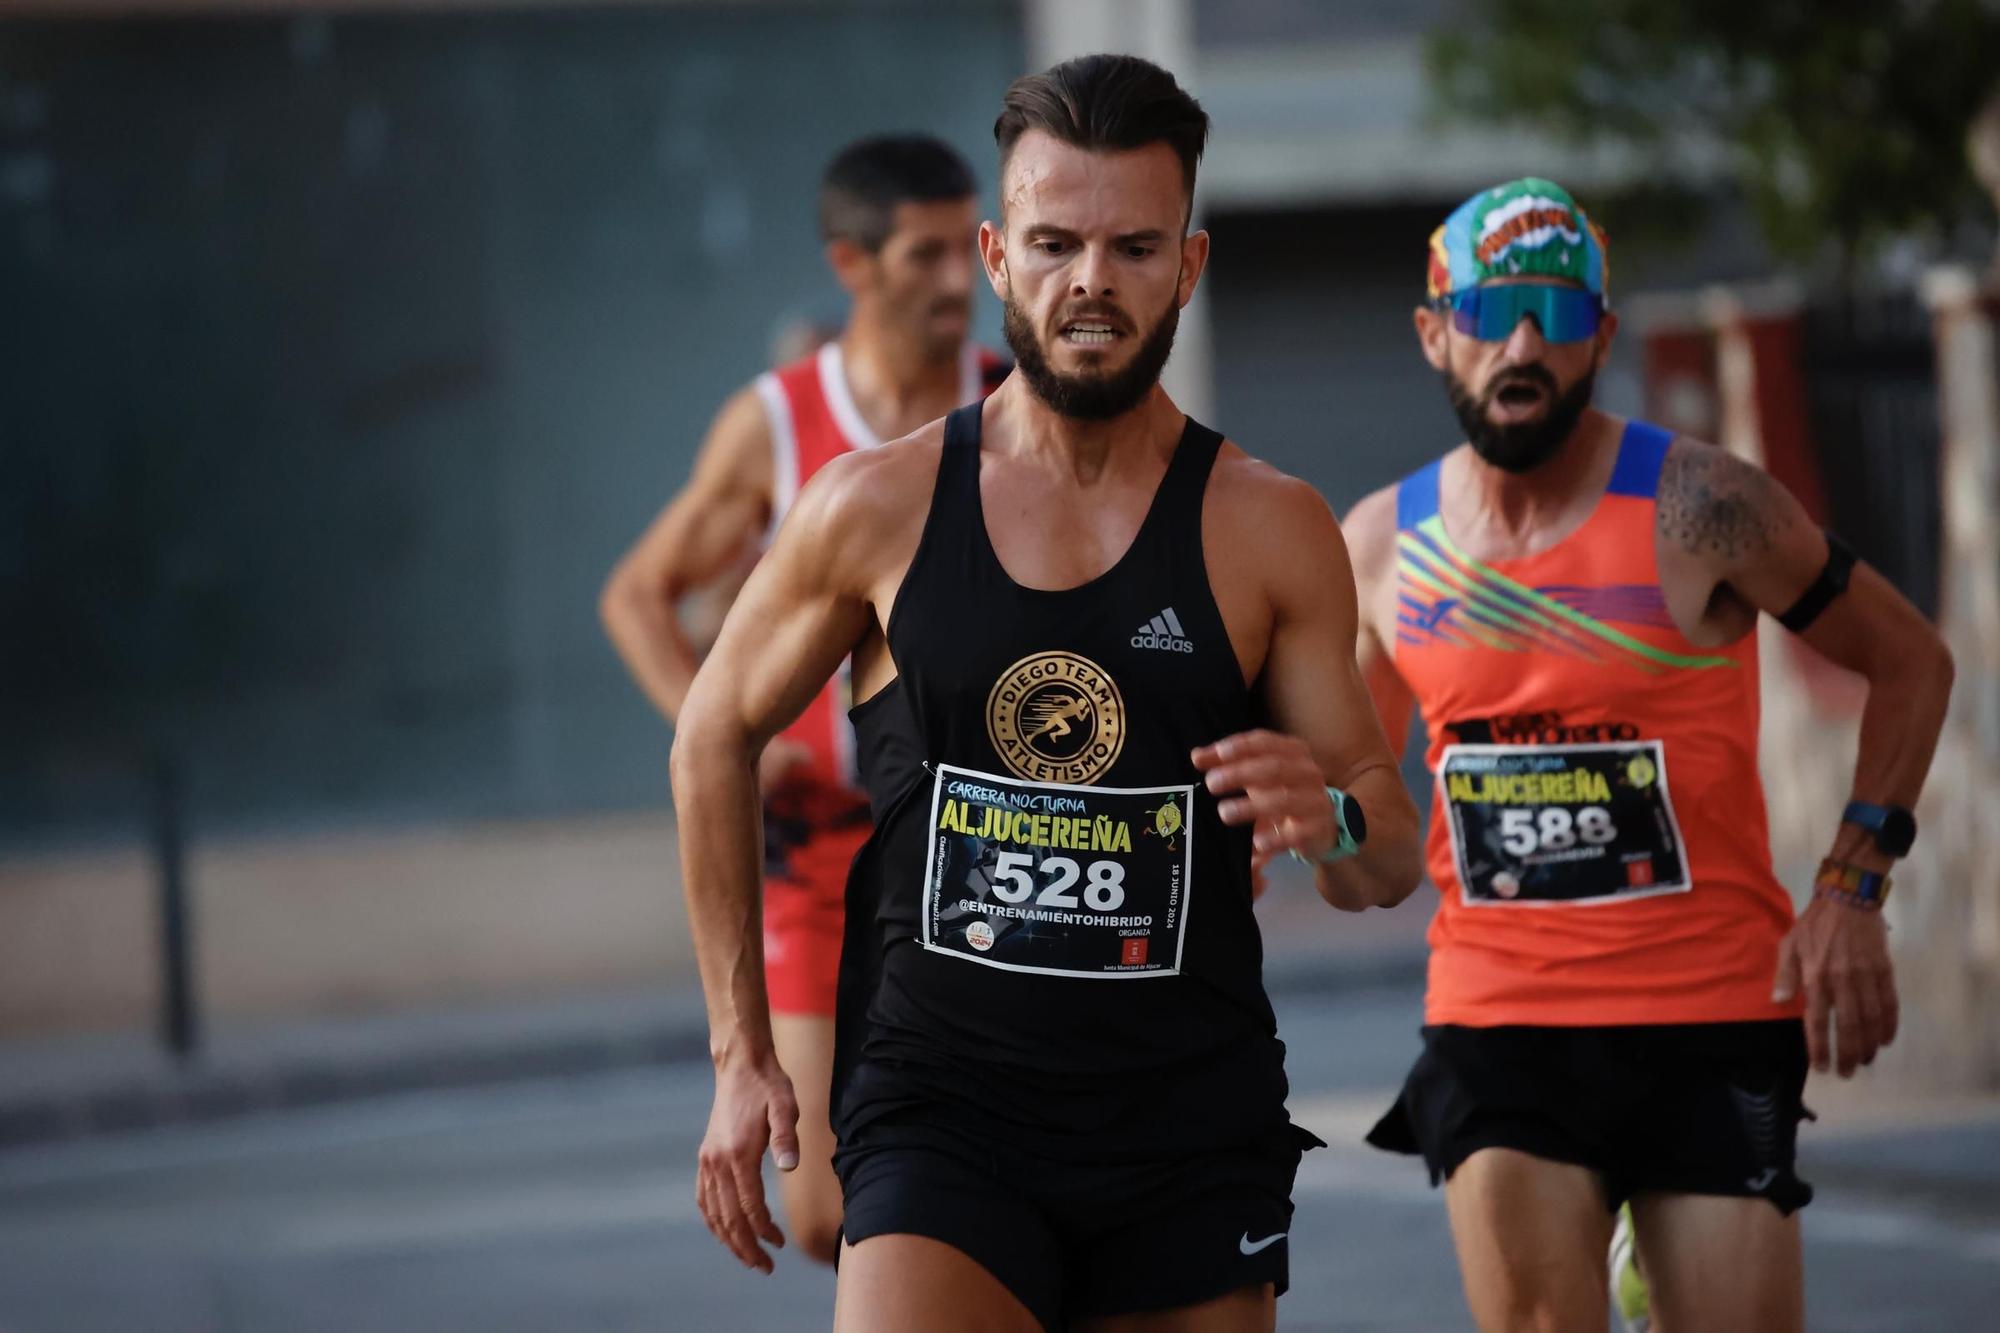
[{"x": 566, "y": 1207}]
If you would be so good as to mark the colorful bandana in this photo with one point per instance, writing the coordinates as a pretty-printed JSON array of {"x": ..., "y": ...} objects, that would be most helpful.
[{"x": 1528, "y": 226}]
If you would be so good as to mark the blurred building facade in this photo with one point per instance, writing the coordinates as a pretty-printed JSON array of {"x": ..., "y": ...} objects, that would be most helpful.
[{"x": 345, "y": 354}]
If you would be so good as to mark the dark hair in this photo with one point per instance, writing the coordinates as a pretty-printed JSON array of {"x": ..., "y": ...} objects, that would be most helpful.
[
  {"x": 1105, "y": 102},
  {"x": 867, "y": 179}
]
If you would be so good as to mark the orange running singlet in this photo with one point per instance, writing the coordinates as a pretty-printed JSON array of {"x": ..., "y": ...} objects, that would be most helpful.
[{"x": 1597, "y": 830}]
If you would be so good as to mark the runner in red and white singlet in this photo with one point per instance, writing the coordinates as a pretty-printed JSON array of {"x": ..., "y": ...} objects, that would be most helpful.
[
  {"x": 898, "y": 215},
  {"x": 815, "y": 814}
]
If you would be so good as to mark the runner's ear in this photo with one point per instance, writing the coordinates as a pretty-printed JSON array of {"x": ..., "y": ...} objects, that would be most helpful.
[
  {"x": 1607, "y": 329},
  {"x": 1430, "y": 326}
]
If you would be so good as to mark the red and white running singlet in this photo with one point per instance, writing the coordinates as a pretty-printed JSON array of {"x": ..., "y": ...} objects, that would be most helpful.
[{"x": 818, "y": 818}]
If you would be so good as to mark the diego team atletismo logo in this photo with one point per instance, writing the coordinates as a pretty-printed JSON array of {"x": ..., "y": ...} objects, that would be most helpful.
[{"x": 1056, "y": 717}]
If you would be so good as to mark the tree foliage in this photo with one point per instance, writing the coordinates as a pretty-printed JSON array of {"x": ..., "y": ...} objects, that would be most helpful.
[{"x": 1839, "y": 120}]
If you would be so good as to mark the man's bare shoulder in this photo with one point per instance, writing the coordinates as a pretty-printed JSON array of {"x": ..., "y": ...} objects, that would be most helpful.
[
  {"x": 890, "y": 479},
  {"x": 737, "y": 452},
  {"x": 1713, "y": 505},
  {"x": 743, "y": 411},
  {"x": 1370, "y": 530},
  {"x": 871, "y": 499},
  {"x": 1271, "y": 509}
]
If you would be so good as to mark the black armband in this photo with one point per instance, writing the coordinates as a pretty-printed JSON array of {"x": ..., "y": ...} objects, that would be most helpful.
[{"x": 1832, "y": 582}]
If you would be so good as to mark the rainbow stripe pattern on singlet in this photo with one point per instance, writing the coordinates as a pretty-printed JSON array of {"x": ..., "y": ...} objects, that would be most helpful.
[{"x": 1447, "y": 598}]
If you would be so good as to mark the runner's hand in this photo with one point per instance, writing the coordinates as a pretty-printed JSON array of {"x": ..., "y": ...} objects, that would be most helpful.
[
  {"x": 1259, "y": 881},
  {"x": 1272, "y": 781},
  {"x": 754, "y": 1107},
  {"x": 1841, "y": 956},
  {"x": 780, "y": 760}
]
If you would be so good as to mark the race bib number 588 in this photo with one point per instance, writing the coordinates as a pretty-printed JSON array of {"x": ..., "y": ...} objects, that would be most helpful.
[
  {"x": 1562, "y": 824},
  {"x": 1054, "y": 878}
]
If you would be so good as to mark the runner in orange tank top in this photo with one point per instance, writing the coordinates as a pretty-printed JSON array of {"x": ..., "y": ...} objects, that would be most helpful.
[
  {"x": 898, "y": 215},
  {"x": 1616, "y": 980}
]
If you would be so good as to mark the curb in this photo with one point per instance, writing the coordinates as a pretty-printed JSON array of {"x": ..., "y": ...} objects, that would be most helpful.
[{"x": 201, "y": 1095}]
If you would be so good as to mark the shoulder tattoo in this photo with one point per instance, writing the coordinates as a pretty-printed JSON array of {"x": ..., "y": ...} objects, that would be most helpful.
[{"x": 1713, "y": 504}]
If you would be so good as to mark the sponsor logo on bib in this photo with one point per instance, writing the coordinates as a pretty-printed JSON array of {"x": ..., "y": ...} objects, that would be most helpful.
[{"x": 1056, "y": 717}]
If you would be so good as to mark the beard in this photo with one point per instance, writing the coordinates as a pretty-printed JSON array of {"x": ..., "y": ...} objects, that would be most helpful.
[
  {"x": 1089, "y": 397},
  {"x": 1526, "y": 445}
]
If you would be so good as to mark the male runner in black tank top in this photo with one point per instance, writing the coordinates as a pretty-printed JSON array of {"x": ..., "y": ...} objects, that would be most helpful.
[{"x": 1106, "y": 662}]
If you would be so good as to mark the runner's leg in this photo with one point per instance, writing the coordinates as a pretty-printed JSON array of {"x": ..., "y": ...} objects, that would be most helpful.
[
  {"x": 1248, "y": 1310},
  {"x": 911, "y": 1284},
  {"x": 1720, "y": 1265},
  {"x": 811, "y": 1193},
  {"x": 1532, "y": 1235}
]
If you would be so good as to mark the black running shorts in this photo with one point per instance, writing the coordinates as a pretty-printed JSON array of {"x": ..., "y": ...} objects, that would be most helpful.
[
  {"x": 1071, "y": 1239},
  {"x": 1695, "y": 1108}
]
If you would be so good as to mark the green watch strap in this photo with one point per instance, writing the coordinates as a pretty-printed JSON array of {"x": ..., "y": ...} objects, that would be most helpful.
[{"x": 1346, "y": 845}]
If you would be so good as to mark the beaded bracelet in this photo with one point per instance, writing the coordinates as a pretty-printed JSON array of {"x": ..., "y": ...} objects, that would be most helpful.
[{"x": 1851, "y": 885}]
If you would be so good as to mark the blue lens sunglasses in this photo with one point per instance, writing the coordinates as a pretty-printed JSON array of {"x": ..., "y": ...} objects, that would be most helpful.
[{"x": 1491, "y": 314}]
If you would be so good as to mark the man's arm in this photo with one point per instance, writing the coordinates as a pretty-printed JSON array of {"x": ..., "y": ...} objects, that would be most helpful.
[
  {"x": 704, "y": 531},
  {"x": 1745, "y": 531},
  {"x": 1326, "y": 729},
  {"x": 803, "y": 610},
  {"x": 1370, "y": 533}
]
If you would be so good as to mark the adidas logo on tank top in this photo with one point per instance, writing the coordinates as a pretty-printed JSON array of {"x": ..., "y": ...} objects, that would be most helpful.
[{"x": 1165, "y": 633}]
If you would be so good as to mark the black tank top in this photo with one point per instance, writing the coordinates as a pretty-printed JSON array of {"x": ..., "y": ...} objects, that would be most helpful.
[{"x": 1050, "y": 935}]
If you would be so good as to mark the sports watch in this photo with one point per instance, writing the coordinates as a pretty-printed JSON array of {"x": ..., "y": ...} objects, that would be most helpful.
[
  {"x": 1894, "y": 828},
  {"x": 1351, "y": 825}
]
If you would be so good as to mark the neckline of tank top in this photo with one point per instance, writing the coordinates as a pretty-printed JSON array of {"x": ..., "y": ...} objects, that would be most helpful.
[
  {"x": 840, "y": 394},
  {"x": 982, "y": 538},
  {"x": 1595, "y": 512}
]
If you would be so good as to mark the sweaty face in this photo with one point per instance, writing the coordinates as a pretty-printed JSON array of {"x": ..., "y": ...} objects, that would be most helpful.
[
  {"x": 1092, "y": 269},
  {"x": 923, "y": 273},
  {"x": 1518, "y": 398}
]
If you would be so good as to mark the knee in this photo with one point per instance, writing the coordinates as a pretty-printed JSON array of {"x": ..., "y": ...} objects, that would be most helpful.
[
  {"x": 1542, "y": 1317},
  {"x": 1532, "y": 1302},
  {"x": 1532, "y": 1313}
]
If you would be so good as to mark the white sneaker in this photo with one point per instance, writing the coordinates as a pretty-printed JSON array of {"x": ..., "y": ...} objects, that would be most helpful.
[{"x": 1629, "y": 1296}]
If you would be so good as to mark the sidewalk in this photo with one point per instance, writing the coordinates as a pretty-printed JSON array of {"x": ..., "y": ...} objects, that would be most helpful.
[
  {"x": 1876, "y": 1137},
  {"x": 67, "y": 1087}
]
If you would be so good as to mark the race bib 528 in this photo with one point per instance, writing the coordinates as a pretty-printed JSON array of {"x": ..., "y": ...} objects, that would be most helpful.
[
  {"x": 1548, "y": 825},
  {"x": 1059, "y": 879}
]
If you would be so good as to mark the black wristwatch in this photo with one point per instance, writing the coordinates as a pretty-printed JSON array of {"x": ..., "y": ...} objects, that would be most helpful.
[
  {"x": 1353, "y": 824},
  {"x": 1893, "y": 828}
]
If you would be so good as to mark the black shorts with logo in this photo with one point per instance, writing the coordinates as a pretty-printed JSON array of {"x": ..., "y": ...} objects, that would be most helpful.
[
  {"x": 1072, "y": 1239},
  {"x": 1691, "y": 1108}
]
